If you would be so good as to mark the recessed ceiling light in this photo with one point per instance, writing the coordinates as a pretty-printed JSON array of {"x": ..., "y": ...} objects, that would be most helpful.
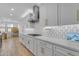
[
  {"x": 12, "y": 9},
  {"x": 11, "y": 14}
]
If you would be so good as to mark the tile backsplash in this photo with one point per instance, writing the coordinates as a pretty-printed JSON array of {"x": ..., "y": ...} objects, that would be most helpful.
[{"x": 60, "y": 31}]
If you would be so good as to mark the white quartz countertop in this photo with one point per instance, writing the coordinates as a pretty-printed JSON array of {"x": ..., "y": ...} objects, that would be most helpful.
[{"x": 72, "y": 45}]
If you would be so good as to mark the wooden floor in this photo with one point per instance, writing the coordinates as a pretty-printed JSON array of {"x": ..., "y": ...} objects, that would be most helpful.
[{"x": 12, "y": 47}]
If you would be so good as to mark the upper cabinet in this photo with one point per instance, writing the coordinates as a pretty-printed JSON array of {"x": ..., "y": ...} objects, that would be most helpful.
[
  {"x": 48, "y": 14},
  {"x": 67, "y": 14},
  {"x": 51, "y": 14},
  {"x": 59, "y": 14}
]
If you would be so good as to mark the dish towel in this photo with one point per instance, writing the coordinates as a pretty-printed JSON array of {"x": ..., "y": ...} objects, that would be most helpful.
[{"x": 72, "y": 36}]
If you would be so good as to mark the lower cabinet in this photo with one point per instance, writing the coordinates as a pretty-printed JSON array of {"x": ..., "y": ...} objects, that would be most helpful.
[
  {"x": 44, "y": 49},
  {"x": 31, "y": 44},
  {"x": 27, "y": 41},
  {"x": 35, "y": 47},
  {"x": 38, "y": 47},
  {"x": 23, "y": 40},
  {"x": 61, "y": 51}
]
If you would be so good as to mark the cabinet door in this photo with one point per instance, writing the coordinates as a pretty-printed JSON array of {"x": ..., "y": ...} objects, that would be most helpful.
[
  {"x": 51, "y": 14},
  {"x": 58, "y": 54},
  {"x": 44, "y": 49},
  {"x": 23, "y": 40},
  {"x": 43, "y": 14},
  {"x": 31, "y": 44},
  {"x": 35, "y": 47},
  {"x": 27, "y": 43},
  {"x": 68, "y": 14},
  {"x": 65, "y": 52},
  {"x": 48, "y": 14},
  {"x": 20, "y": 38}
]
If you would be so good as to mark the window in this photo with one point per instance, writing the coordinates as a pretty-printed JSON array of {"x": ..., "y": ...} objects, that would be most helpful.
[
  {"x": 2, "y": 25},
  {"x": 2, "y": 29},
  {"x": 9, "y": 29},
  {"x": 9, "y": 25}
]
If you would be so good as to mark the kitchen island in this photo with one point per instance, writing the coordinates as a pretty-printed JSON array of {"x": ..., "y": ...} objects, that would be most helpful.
[{"x": 46, "y": 46}]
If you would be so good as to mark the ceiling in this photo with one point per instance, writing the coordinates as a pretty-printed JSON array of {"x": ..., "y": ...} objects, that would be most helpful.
[{"x": 19, "y": 9}]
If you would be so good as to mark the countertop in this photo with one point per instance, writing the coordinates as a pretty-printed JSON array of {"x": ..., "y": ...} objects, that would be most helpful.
[{"x": 72, "y": 45}]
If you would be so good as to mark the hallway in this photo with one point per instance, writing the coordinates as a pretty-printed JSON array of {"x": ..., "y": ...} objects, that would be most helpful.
[{"x": 12, "y": 47}]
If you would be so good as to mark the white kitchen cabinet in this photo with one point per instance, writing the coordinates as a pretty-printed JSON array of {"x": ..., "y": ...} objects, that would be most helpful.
[
  {"x": 35, "y": 47},
  {"x": 31, "y": 43},
  {"x": 67, "y": 14},
  {"x": 44, "y": 49},
  {"x": 51, "y": 14},
  {"x": 27, "y": 42},
  {"x": 43, "y": 14},
  {"x": 22, "y": 39},
  {"x": 48, "y": 14},
  {"x": 58, "y": 54},
  {"x": 61, "y": 51},
  {"x": 59, "y": 14}
]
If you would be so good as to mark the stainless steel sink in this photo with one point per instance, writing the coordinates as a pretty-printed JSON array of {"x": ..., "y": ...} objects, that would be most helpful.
[{"x": 35, "y": 34}]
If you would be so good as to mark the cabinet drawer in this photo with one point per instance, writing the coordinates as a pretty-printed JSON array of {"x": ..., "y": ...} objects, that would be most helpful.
[
  {"x": 65, "y": 51},
  {"x": 46, "y": 44},
  {"x": 43, "y": 51},
  {"x": 44, "y": 48},
  {"x": 59, "y": 54}
]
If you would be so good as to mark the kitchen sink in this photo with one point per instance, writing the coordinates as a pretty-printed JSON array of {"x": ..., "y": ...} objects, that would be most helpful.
[{"x": 35, "y": 34}]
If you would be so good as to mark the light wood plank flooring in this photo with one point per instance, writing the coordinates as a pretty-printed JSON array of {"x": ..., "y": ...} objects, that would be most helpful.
[{"x": 12, "y": 47}]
